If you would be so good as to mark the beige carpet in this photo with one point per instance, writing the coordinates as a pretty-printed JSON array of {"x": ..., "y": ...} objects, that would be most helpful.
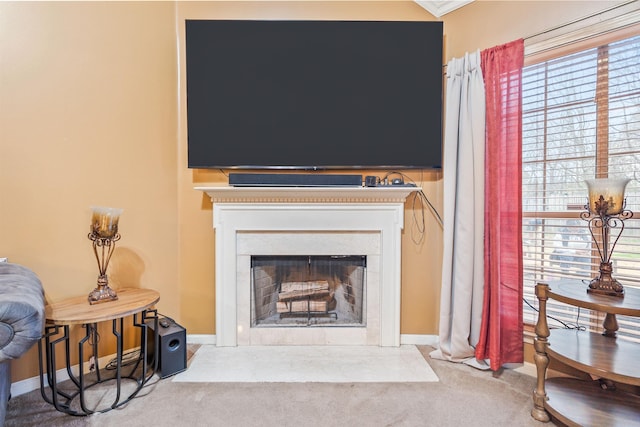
[{"x": 463, "y": 396}]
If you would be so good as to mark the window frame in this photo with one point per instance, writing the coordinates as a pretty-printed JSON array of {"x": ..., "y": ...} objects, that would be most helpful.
[{"x": 535, "y": 55}]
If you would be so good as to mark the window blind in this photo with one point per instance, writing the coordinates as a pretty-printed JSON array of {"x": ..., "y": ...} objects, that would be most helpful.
[{"x": 581, "y": 120}]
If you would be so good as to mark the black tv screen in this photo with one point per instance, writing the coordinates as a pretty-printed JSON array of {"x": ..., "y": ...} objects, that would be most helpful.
[{"x": 314, "y": 94}]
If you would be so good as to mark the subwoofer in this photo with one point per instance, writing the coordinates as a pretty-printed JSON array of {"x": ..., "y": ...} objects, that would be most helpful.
[{"x": 172, "y": 348}]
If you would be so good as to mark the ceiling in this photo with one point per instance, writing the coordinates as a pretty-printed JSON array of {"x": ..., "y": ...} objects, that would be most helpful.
[{"x": 439, "y": 8}]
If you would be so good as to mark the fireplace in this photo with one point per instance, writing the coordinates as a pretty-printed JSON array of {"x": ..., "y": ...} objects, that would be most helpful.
[
  {"x": 270, "y": 227},
  {"x": 275, "y": 247},
  {"x": 308, "y": 291}
]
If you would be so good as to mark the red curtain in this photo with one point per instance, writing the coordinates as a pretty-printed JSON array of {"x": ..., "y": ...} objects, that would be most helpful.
[{"x": 501, "y": 330}]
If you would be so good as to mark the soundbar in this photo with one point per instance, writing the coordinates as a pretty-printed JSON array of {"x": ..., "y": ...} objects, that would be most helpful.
[{"x": 293, "y": 180}]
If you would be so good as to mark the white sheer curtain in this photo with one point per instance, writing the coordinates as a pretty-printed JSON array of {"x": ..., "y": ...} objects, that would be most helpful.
[{"x": 463, "y": 167}]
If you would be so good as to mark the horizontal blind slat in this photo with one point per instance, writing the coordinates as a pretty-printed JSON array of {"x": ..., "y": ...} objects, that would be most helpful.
[{"x": 560, "y": 136}]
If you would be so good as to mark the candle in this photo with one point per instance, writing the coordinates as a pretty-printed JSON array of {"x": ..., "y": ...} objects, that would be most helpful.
[
  {"x": 606, "y": 195},
  {"x": 104, "y": 221}
]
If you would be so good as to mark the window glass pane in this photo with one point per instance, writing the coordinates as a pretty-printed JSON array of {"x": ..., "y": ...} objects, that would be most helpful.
[{"x": 580, "y": 120}]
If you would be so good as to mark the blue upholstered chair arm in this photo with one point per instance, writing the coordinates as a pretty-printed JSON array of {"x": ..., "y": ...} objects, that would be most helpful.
[
  {"x": 21, "y": 310},
  {"x": 21, "y": 320}
]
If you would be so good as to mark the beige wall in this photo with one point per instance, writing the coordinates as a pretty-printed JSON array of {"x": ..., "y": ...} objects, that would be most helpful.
[
  {"x": 92, "y": 112},
  {"x": 484, "y": 24},
  {"x": 88, "y": 111}
]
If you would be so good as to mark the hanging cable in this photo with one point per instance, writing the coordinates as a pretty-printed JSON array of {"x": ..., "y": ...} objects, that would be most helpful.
[
  {"x": 418, "y": 203},
  {"x": 566, "y": 325}
]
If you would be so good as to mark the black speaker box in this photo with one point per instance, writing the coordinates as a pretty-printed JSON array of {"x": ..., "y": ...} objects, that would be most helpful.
[{"x": 172, "y": 351}]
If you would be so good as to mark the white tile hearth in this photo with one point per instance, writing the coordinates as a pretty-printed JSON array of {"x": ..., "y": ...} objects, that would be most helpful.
[{"x": 335, "y": 364}]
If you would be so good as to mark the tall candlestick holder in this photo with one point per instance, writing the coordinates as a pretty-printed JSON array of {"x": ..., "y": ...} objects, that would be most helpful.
[
  {"x": 604, "y": 213},
  {"x": 104, "y": 235}
]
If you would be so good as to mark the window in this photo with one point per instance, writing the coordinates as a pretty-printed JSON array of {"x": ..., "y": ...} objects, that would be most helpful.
[{"x": 581, "y": 120}]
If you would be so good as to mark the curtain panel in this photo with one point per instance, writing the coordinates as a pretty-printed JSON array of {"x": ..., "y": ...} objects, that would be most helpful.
[
  {"x": 463, "y": 181},
  {"x": 501, "y": 331}
]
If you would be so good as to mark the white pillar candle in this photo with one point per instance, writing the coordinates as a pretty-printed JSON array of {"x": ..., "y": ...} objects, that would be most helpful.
[
  {"x": 612, "y": 193},
  {"x": 104, "y": 221}
]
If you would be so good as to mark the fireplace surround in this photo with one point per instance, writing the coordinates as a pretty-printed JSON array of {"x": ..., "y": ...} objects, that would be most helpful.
[{"x": 309, "y": 221}]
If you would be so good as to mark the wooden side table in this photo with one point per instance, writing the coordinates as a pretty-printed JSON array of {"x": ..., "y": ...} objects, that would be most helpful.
[
  {"x": 576, "y": 402},
  {"x": 77, "y": 311}
]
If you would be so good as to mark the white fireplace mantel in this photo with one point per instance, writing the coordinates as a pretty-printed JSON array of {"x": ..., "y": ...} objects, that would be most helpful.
[
  {"x": 246, "y": 216},
  {"x": 382, "y": 194}
]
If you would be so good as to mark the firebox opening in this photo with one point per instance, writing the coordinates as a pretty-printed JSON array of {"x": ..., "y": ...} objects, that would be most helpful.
[{"x": 310, "y": 290}]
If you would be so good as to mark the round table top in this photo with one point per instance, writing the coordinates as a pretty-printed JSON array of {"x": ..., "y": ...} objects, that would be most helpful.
[
  {"x": 574, "y": 292},
  {"x": 77, "y": 310}
]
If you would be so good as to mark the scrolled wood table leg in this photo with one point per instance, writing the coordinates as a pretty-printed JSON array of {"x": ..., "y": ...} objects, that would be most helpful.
[
  {"x": 610, "y": 325},
  {"x": 540, "y": 358}
]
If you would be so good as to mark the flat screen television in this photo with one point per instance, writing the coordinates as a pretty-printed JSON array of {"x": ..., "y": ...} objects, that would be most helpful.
[{"x": 313, "y": 95}]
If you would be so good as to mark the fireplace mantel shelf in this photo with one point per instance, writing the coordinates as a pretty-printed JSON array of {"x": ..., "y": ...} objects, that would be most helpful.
[{"x": 228, "y": 194}]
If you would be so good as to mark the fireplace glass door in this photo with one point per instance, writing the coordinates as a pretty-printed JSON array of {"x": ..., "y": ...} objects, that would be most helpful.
[{"x": 308, "y": 290}]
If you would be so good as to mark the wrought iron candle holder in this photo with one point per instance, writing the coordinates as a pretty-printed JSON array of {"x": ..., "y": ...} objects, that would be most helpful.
[
  {"x": 606, "y": 213},
  {"x": 104, "y": 235}
]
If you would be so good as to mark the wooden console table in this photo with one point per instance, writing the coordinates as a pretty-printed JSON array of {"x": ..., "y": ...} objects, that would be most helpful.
[
  {"x": 577, "y": 402},
  {"x": 77, "y": 311}
]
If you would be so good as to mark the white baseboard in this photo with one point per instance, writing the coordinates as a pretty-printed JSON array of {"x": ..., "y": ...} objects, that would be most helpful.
[
  {"x": 405, "y": 339},
  {"x": 33, "y": 383},
  {"x": 201, "y": 339},
  {"x": 527, "y": 368},
  {"x": 25, "y": 386},
  {"x": 408, "y": 339}
]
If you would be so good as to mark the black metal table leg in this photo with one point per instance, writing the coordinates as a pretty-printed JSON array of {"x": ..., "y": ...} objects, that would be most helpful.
[{"x": 73, "y": 311}]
